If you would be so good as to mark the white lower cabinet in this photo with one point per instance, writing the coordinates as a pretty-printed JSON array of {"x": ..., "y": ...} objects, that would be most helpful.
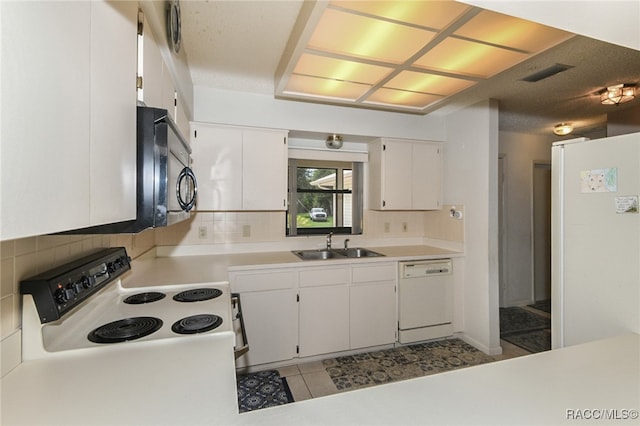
[
  {"x": 308, "y": 311},
  {"x": 372, "y": 305},
  {"x": 271, "y": 323},
  {"x": 270, "y": 314},
  {"x": 324, "y": 311}
]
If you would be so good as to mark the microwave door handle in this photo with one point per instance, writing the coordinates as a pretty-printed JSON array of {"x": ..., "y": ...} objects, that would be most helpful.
[{"x": 187, "y": 173}]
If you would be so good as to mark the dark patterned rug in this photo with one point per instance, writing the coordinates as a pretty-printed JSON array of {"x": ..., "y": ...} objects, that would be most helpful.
[
  {"x": 406, "y": 362},
  {"x": 542, "y": 305},
  {"x": 525, "y": 329},
  {"x": 261, "y": 390}
]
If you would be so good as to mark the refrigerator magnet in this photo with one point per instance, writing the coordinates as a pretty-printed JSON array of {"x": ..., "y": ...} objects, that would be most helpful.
[
  {"x": 599, "y": 180},
  {"x": 627, "y": 204}
]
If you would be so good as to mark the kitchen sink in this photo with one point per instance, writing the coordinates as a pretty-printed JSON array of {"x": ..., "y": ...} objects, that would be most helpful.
[
  {"x": 325, "y": 254},
  {"x": 357, "y": 252}
]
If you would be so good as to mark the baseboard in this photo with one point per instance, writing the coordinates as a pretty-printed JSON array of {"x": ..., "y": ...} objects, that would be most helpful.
[{"x": 480, "y": 346}]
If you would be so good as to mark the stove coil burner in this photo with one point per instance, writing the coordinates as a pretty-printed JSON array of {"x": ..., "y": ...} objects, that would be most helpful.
[
  {"x": 125, "y": 329},
  {"x": 148, "y": 297},
  {"x": 197, "y": 295},
  {"x": 196, "y": 324}
]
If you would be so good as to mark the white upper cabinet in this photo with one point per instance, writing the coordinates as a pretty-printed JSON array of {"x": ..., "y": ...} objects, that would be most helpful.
[
  {"x": 68, "y": 126},
  {"x": 113, "y": 111},
  {"x": 158, "y": 84},
  {"x": 405, "y": 175},
  {"x": 239, "y": 168}
]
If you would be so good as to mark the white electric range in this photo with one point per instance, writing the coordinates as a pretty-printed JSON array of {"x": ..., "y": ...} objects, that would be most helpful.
[{"x": 82, "y": 305}]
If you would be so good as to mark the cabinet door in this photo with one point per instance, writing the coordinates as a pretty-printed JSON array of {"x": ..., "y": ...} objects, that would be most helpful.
[
  {"x": 168, "y": 92},
  {"x": 271, "y": 323},
  {"x": 373, "y": 304},
  {"x": 324, "y": 319},
  {"x": 217, "y": 163},
  {"x": 152, "y": 65},
  {"x": 264, "y": 165},
  {"x": 45, "y": 117},
  {"x": 427, "y": 176},
  {"x": 397, "y": 175},
  {"x": 113, "y": 111},
  {"x": 373, "y": 314}
]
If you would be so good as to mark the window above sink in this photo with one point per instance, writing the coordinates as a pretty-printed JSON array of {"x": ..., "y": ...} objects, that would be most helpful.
[{"x": 324, "y": 196}]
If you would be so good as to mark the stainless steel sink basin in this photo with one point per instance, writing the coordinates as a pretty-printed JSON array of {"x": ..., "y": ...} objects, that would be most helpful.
[
  {"x": 317, "y": 254},
  {"x": 357, "y": 252},
  {"x": 324, "y": 254}
]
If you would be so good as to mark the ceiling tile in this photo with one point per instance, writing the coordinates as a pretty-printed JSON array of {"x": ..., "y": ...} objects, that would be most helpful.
[
  {"x": 362, "y": 37},
  {"x": 428, "y": 83},
  {"x": 468, "y": 58},
  {"x": 431, "y": 14},
  {"x": 324, "y": 88},
  {"x": 507, "y": 31},
  {"x": 337, "y": 69},
  {"x": 401, "y": 98}
]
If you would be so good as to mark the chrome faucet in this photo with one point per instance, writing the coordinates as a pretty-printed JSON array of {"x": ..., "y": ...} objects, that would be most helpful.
[
  {"x": 346, "y": 244},
  {"x": 329, "y": 240}
]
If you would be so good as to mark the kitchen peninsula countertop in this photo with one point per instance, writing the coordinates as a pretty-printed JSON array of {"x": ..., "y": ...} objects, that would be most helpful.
[{"x": 168, "y": 386}]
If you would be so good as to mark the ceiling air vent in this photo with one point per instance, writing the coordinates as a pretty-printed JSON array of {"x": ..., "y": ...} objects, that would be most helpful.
[{"x": 546, "y": 73}]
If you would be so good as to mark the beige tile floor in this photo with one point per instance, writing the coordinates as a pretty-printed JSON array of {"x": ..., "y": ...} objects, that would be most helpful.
[{"x": 311, "y": 380}]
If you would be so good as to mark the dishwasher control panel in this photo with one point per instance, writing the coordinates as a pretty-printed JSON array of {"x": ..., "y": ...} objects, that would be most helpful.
[{"x": 425, "y": 268}]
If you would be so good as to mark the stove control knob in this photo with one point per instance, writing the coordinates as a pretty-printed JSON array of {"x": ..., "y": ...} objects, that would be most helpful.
[
  {"x": 86, "y": 282},
  {"x": 111, "y": 268},
  {"x": 63, "y": 295},
  {"x": 76, "y": 287}
]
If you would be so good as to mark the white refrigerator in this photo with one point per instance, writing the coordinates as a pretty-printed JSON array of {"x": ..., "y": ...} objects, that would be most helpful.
[{"x": 595, "y": 239}]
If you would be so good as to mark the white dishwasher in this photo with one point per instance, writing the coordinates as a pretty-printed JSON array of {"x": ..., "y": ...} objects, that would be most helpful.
[{"x": 425, "y": 300}]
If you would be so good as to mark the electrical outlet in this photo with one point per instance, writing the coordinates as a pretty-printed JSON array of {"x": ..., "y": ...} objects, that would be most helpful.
[
  {"x": 387, "y": 227},
  {"x": 202, "y": 232},
  {"x": 405, "y": 226},
  {"x": 246, "y": 230}
]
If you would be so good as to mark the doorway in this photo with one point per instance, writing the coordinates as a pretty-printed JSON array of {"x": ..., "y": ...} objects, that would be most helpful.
[{"x": 541, "y": 224}]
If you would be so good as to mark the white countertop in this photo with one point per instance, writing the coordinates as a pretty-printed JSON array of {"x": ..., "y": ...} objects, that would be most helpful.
[
  {"x": 154, "y": 271},
  {"x": 102, "y": 388},
  {"x": 186, "y": 381}
]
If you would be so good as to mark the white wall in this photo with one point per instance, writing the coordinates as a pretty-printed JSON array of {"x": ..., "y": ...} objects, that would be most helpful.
[
  {"x": 612, "y": 21},
  {"x": 520, "y": 152},
  {"x": 470, "y": 178},
  {"x": 251, "y": 109}
]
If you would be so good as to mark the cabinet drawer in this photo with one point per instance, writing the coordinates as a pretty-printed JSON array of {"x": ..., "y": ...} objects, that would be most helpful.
[
  {"x": 263, "y": 281},
  {"x": 319, "y": 277},
  {"x": 374, "y": 272}
]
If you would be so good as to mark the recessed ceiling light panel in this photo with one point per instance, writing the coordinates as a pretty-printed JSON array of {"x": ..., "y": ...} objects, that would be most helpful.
[
  {"x": 325, "y": 88},
  {"x": 428, "y": 83},
  {"x": 430, "y": 14},
  {"x": 362, "y": 37},
  {"x": 469, "y": 58},
  {"x": 338, "y": 69},
  {"x": 395, "y": 97},
  {"x": 503, "y": 30}
]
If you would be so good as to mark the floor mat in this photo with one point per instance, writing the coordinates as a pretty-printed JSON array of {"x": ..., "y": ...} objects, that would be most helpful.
[
  {"x": 542, "y": 305},
  {"x": 261, "y": 390},
  {"x": 532, "y": 341},
  {"x": 517, "y": 319},
  {"x": 406, "y": 362},
  {"x": 525, "y": 329}
]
